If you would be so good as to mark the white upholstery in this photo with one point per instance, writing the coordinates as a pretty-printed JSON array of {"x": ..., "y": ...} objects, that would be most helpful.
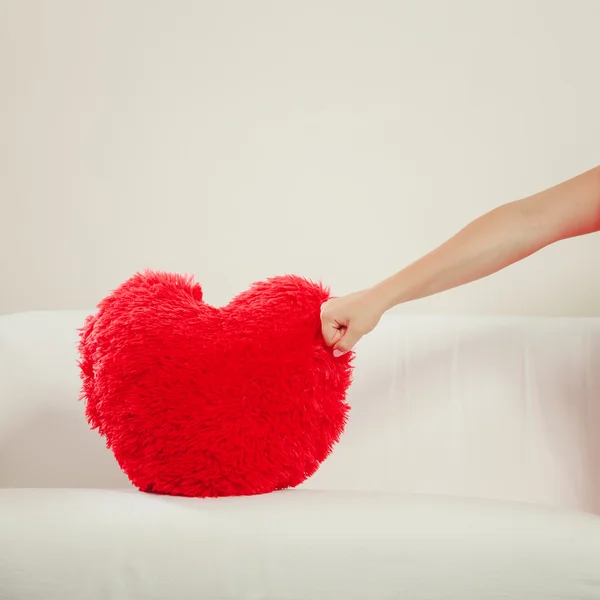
[
  {"x": 291, "y": 546},
  {"x": 503, "y": 411}
]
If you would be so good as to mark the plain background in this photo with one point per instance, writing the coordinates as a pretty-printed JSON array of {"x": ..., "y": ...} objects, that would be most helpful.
[{"x": 338, "y": 140}]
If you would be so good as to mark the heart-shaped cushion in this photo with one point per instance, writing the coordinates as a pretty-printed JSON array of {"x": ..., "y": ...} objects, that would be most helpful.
[{"x": 200, "y": 401}]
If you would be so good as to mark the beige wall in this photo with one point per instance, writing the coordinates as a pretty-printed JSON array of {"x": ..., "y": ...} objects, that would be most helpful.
[{"x": 334, "y": 139}]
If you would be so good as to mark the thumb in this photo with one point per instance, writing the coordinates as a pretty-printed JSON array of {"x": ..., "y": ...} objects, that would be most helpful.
[
  {"x": 348, "y": 340},
  {"x": 331, "y": 333}
]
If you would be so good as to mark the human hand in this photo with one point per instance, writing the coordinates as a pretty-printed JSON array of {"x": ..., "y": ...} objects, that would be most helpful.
[{"x": 347, "y": 319}]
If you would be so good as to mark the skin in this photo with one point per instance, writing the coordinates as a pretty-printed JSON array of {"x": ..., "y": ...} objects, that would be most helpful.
[{"x": 492, "y": 242}]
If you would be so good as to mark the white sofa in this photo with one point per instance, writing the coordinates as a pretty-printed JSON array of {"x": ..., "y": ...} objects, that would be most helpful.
[{"x": 470, "y": 470}]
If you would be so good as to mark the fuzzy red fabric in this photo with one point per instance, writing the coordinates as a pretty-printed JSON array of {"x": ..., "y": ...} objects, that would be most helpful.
[{"x": 201, "y": 401}]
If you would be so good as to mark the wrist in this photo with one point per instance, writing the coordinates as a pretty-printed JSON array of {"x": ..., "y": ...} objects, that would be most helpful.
[
  {"x": 384, "y": 296},
  {"x": 402, "y": 287}
]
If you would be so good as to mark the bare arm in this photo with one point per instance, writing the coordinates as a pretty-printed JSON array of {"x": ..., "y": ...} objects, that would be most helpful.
[
  {"x": 492, "y": 242},
  {"x": 500, "y": 238}
]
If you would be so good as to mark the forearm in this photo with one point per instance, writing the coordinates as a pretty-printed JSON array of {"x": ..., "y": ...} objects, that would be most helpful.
[{"x": 500, "y": 238}]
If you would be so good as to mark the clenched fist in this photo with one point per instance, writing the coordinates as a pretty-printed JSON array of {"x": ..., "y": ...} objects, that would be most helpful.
[{"x": 345, "y": 320}]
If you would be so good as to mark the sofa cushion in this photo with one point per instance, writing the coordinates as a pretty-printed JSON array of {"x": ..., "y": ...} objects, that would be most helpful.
[{"x": 62, "y": 544}]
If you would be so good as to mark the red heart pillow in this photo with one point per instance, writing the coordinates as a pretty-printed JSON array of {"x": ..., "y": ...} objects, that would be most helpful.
[{"x": 195, "y": 400}]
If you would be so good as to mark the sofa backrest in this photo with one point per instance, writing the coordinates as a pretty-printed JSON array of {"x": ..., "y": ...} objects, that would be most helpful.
[
  {"x": 504, "y": 408},
  {"x": 489, "y": 407},
  {"x": 44, "y": 437}
]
